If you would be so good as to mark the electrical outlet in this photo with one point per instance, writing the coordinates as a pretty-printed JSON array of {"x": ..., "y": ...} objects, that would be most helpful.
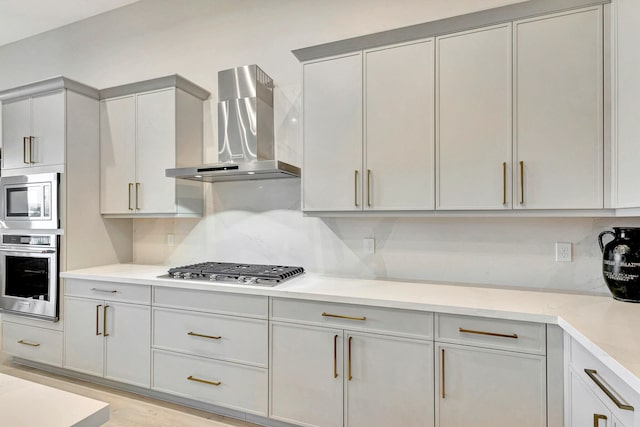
[
  {"x": 171, "y": 239},
  {"x": 369, "y": 245},
  {"x": 563, "y": 252}
]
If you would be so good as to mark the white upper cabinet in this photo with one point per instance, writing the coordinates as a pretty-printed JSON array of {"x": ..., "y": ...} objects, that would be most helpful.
[
  {"x": 501, "y": 117},
  {"x": 141, "y": 135},
  {"x": 34, "y": 131},
  {"x": 390, "y": 167},
  {"x": 399, "y": 128},
  {"x": 117, "y": 154},
  {"x": 332, "y": 160},
  {"x": 473, "y": 113},
  {"x": 626, "y": 104},
  {"x": 558, "y": 100}
]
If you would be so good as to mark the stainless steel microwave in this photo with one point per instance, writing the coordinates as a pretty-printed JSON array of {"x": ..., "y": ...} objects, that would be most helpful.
[{"x": 29, "y": 201}]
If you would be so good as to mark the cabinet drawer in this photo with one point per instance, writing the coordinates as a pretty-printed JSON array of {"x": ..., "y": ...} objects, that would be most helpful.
[
  {"x": 234, "y": 339},
  {"x": 527, "y": 337},
  {"x": 243, "y": 388},
  {"x": 39, "y": 345},
  {"x": 109, "y": 291},
  {"x": 582, "y": 359},
  {"x": 216, "y": 302},
  {"x": 354, "y": 317}
]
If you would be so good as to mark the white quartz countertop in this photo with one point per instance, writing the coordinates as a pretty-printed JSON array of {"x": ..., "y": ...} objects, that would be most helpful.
[
  {"x": 604, "y": 326},
  {"x": 26, "y": 404}
]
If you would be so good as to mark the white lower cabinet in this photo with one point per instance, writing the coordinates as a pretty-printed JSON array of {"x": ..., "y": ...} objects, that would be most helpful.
[
  {"x": 108, "y": 339},
  {"x": 211, "y": 381},
  {"x": 389, "y": 381},
  {"x": 32, "y": 343},
  {"x": 306, "y": 375},
  {"x": 485, "y": 387},
  {"x": 596, "y": 396},
  {"x": 490, "y": 372},
  {"x": 211, "y": 347},
  {"x": 329, "y": 377},
  {"x": 586, "y": 408}
]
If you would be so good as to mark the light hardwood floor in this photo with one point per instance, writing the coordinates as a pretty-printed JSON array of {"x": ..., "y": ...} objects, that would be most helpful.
[{"x": 126, "y": 409}]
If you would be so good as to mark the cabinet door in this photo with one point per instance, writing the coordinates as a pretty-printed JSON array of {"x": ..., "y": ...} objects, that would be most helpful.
[
  {"x": 626, "y": 69},
  {"x": 399, "y": 92},
  {"x": 83, "y": 335},
  {"x": 487, "y": 388},
  {"x": 117, "y": 155},
  {"x": 155, "y": 152},
  {"x": 558, "y": 132},
  {"x": 389, "y": 381},
  {"x": 473, "y": 107},
  {"x": 586, "y": 409},
  {"x": 332, "y": 160},
  {"x": 16, "y": 125},
  {"x": 48, "y": 129},
  {"x": 306, "y": 375},
  {"x": 127, "y": 331}
]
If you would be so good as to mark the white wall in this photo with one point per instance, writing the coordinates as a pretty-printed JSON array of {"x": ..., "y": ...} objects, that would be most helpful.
[{"x": 260, "y": 221}]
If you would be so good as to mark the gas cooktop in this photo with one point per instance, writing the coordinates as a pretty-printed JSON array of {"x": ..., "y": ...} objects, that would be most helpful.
[{"x": 247, "y": 274}]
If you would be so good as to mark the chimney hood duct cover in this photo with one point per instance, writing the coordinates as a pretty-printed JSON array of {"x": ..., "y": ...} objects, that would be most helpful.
[{"x": 246, "y": 149}]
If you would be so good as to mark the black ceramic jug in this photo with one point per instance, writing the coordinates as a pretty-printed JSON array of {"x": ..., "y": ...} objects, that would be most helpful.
[{"x": 621, "y": 263}]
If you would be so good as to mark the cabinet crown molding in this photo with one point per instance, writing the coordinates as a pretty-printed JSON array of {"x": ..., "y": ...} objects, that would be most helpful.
[
  {"x": 173, "y": 80},
  {"x": 440, "y": 27},
  {"x": 48, "y": 85}
]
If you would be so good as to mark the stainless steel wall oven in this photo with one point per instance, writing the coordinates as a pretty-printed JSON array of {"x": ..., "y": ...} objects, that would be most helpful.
[{"x": 29, "y": 274}]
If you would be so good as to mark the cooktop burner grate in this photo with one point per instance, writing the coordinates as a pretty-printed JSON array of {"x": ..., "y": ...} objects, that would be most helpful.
[{"x": 242, "y": 273}]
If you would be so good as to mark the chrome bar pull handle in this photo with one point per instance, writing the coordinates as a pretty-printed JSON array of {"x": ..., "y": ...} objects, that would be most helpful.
[
  {"x": 355, "y": 188},
  {"x": 137, "y": 196},
  {"x": 335, "y": 356},
  {"x": 104, "y": 290},
  {"x": 521, "y": 182},
  {"x": 98, "y": 319},
  {"x": 592, "y": 373},
  {"x": 504, "y": 183}
]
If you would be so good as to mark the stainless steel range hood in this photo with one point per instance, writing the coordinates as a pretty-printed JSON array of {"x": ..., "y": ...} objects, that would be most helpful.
[{"x": 246, "y": 149}]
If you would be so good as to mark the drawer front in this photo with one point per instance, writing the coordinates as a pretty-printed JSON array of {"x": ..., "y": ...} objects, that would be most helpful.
[
  {"x": 582, "y": 359},
  {"x": 243, "y": 388},
  {"x": 526, "y": 337},
  {"x": 211, "y": 301},
  {"x": 109, "y": 291},
  {"x": 410, "y": 323},
  {"x": 234, "y": 339},
  {"x": 36, "y": 344}
]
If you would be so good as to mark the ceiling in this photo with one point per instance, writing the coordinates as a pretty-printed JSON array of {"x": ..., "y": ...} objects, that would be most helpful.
[{"x": 20, "y": 19}]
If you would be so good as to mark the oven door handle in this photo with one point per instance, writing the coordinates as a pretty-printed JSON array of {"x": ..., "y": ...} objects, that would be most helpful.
[{"x": 28, "y": 251}]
